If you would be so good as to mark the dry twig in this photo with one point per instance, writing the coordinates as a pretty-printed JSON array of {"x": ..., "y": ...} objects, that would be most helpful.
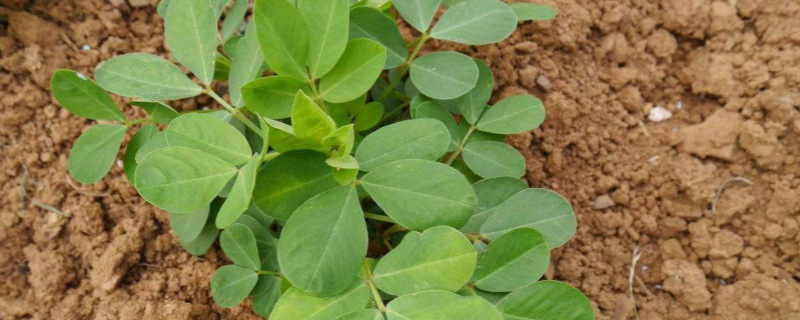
[{"x": 722, "y": 188}]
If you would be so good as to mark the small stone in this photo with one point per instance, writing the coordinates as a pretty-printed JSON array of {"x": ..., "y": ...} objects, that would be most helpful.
[
  {"x": 658, "y": 114},
  {"x": 603, "y": 202},
  {"x": 544, "y": 82}
]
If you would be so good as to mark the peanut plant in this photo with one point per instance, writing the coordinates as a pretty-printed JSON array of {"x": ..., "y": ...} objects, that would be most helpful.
[{"x": 348, "y": 176}]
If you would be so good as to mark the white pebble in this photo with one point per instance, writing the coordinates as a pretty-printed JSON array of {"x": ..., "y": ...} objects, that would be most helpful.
[
  {"x": 659, "y": 114},
  {"x": 679, "y": 105},
  {"x": 86, "y": 47},
  {"x": 119, "y": 163}
]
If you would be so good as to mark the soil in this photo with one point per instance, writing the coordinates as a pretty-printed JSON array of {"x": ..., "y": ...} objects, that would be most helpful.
[{"x": 727, "y": 71}]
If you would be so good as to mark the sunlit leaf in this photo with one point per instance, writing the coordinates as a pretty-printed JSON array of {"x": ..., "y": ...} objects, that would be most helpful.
[
  {"x": 491, "y": 159},
  {"x": 418, "y": 13},
  {"x": 273, "y": 97},
  {"x": 440, "y": 258},
  {"x": 437, "y": 304},
  {"x": 283, "y": 35},
  {"x": 296, "y": 304},
  {"x": 356, "y": 71},
  {"x": 444, "y": 75},
  {"x": 476, "y": 22},
  {"x": 426, "y": 139},
  {"x": 512, "y": 261},
  {"x": 190, "y": 29},
  {"x": 210, "y": 135},
  {"x": 546, "y": 300},
  {"x": 533, "y": 11},
  {"x": 512, "y": 115},
  {"x": 327, "y": 31}
]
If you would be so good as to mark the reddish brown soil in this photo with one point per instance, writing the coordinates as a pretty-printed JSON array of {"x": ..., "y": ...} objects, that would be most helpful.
[{"x": 728, "y": 70}]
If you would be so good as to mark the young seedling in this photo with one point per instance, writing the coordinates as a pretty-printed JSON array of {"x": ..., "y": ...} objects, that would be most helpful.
[{"x": 333, "y": 121}]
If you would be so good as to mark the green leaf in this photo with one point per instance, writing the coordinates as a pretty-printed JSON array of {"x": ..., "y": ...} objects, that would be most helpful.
[
  {"x": 188, "y": 226},
  {"x": 296, "y": 304},
  {"x": 137, "y": 141},
  {"x": 234, "y": 18},
  {"x": 491, "y": 193},
  {"x": 157, "y": 141},
  {"x": 324, "y": 242},
  {"x": 159, "y": 112},
  {"x": 491, "y": 159},
  {"x": 348, "y": 162},
  {"x": 246, "y": 66},
  {"x": 426, "y": 139},
  {"x": 444, "y": 75},
  {"x": 256, "y": 213},
  {"x": 356, "y": 71},
  {"x": 450, "y": 3},
  {"x": 282, "y": 138},
  {"x": 240, "y": 195},
  {"x": 369, "y": 116},
  {"x": 266, "y": 294},
  {"x": 418, "y": 13},
  {"x": 540, "y": 209},
  {"x": 420, "y": 194},
  {"x": 492, "y": 297},
  {"x": 161, "y": 9},
  {"x": 273, "y": 97},
  {"x": 290, "y": 179},
  {"x": 309, "y": 121},
  {"x": 546, "y": 300},
  {"x": 345, "y": 176},
  {"x": 210, "y": 135},
  {"x": 433, "y": 110},
  {"x": 181, "y": 179},
  {"x": 328, "y": 27},
  {"x": 222, "y": 67},
  {"x": 341, "y": 142},
  {"x": 512, "y": 261},
  {"x": 283, "y": 35},
  {"x": 218, "y": 5},
  {"x": 512, "y": 115},
  {"x": 190, "y": 28},
  {"x": 267, "y": 245},
  {"x": 239, "y": 244},
  {"x": 533, "y": 11},
  {"x": 230, "y": 285},
  {"x": 83, "y": 97},
  {"x": 94, "y": 152},
  {"x": 440, "y": 258},
  {"x": 459, "y": 165},
  {"x": 366, "y": 314},
  {"x": 476, "y": 22},
  {"x": 372, "y": 24},
  {"x": 203, "y": 242},
  {"x": 141, "y": 75},
  {"x": 437, "y": 304},
  {"x": 473, "y": 103}
]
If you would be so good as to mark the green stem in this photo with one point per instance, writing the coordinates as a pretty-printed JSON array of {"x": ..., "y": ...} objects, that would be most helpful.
[
  {"x": 376, "y": 295},
  {"x": 393, "y": 113},
  {"x": 138, "y": 121},
  {"x": 270, "y": 273},
  {"x": 460, "y": 148},
  {"x": 404, "y": 69},
  {"x": 378, "y": 217},
  {"x": 234, "y": 112}
]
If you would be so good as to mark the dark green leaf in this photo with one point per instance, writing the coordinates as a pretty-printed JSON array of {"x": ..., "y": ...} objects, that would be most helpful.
[
  {"x": 533, "y": 11},
  {"x": 433, "y": 110},
  {"x": 474, "y": 102},
  {"x": 296, "y": 304},
  {"x": 157, "y": 141},
  {"x": 418, "y": 13},
  {"x": 290, "y": 179},
  {"x": 437, "y": 304},
  {"x": 491, "y": 159},
  {"x": 234, "y": 18},
  {"x": 369, "y": 116},
  {"x": 266, "y": 294},
  {"x": 273, "y": 97},
  {"x": 240, "y": 195},
  {"x": 372, "y": 24},
  {"x": 246, "y": 66},
  {"x": 188, "y": 226}
]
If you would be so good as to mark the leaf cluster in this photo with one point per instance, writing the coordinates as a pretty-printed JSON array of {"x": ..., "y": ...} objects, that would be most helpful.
[{"x": 338, "y": 141}]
